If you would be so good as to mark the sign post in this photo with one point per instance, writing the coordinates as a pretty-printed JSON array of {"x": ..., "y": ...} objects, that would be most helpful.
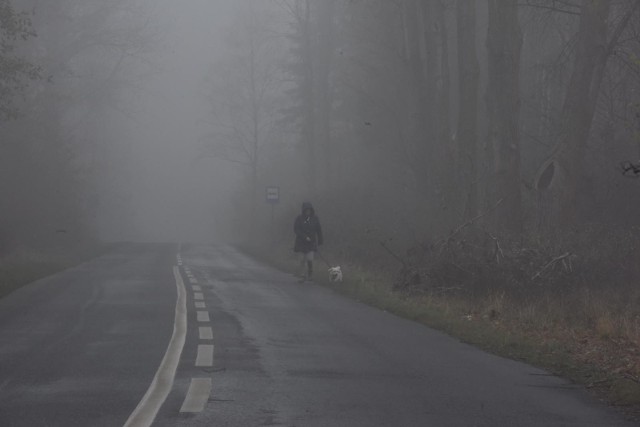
[{"x": 272, "y": 197}]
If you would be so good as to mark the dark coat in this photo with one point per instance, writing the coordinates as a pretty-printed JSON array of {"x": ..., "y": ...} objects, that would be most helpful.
[{"x": 308, "y": 231}]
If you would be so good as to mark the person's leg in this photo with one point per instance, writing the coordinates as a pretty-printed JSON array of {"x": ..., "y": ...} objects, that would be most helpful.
[
  {"x": 303, "y": 261},
  {"x": 310, "y": 265}
]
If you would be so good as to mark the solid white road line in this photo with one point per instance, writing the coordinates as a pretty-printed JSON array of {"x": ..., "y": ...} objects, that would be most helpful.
[
  {"x": 200, "y": 304},
  {"x": 203, "y": 316},
  {"x": 148, "y": 408},
  {"x": 205, "y": 332},
  {"x": 196, "y": 288},
  {"x": 197, "y": 396},
  {"x": 205, "y": 356},
  {"x": 198, "y": 295}
]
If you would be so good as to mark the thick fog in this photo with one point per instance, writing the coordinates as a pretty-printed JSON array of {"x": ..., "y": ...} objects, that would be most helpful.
[
  {"x": 181, "y": 189},
  {"x": 178, "y": 190},
  {"x": 166, "y": 121},
  {"x": 173, "y": 191}
]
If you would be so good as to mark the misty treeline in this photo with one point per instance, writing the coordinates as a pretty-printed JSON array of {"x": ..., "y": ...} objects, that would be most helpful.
[
  {"x": 64, "y": 65},
  {"x": 403, "y": 118},
  {"x": 412, "y": 117}
]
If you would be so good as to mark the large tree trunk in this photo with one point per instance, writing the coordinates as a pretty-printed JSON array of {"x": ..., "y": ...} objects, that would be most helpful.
[
  {"x": 309, "y": 117},
  {"x": 255, "y": 131},
  {"x": 504, "y": 42},
  {"x": 579, "y": 105},
  {"x": 432, "y": 68},
  {"x": 444, "y": 140},
  {"x": 412, "y": 38},
  {"x": 435, "y": 87},
  {"x": 419, "y": 138},
  {"x": 468, "y": 73},
  {"x": 324, "y": 58}
]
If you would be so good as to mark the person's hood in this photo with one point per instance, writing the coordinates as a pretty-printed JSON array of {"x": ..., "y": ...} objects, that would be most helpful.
[{"x": 307, "y": 205}]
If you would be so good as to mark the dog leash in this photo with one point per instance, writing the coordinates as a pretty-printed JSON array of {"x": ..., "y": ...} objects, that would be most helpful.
[{"x": 323, "y": 259}]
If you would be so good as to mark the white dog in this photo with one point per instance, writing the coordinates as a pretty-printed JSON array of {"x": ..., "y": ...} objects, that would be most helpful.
[{"x": 335, "y": 274}]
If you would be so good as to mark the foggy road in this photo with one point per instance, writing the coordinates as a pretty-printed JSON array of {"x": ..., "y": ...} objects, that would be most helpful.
[
  {"x": 489, "y": 147},
  {"x": 82, "y": 347}
]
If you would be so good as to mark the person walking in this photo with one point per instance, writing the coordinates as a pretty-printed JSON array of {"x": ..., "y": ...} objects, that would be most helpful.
[{"x": 308, "y": 237}]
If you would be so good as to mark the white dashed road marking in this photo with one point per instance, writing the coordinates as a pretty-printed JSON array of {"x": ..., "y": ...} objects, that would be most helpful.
[
  {"x": 205, "y": 333},
  {"x": 205, "y": 356},
  {"x": 200, "y": 388},
  {"x": 197, "y": 396},
  {"x": 147, "y": 409}
]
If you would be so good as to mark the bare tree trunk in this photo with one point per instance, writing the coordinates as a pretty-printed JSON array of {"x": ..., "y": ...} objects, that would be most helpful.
[
  {"x": 412, "y": 38},
  {"x": 255, "y": 137},
  {"x": 468, "y": 74},
  {"x": 437, "y": 93},
  {"x": 432, "y": 69},
  {"x": 444, "y": 140},
  {"x": 309, "y": 126},
  {"x": 579, "y": 105},
  {"x": 419, "y": 133},
  {"x": 324, "y": 59},
  {"x": 504, "y": 42}
]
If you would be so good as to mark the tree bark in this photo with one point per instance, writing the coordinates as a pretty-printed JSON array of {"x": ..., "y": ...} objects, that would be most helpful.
[
  {"x": 324, "y": 60},
  {"x": 436, "y": 87},
  {"x": 504, "y": 43},
  {"x": 420, "y": 139},
  {"x": 445, "y": 149},
  {"x": 309, "y": 120},
  {"x": 579, "y": 105},
  {"x": 468, "y": 74},
  {"x": 255, "y": 131}
]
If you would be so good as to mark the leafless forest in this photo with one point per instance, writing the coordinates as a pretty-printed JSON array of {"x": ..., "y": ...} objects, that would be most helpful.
[{"x": 407, "y": 117}]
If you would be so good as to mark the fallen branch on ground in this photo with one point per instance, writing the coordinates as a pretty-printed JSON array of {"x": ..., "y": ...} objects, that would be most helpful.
[
  {"x": 393, "y": 254},
  {"x": 470, "y": 222},
  {"x": 551, "y": 263}
]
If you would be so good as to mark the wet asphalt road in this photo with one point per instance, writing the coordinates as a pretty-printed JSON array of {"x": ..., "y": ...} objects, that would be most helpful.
[{"x": 82, "y": 347}]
